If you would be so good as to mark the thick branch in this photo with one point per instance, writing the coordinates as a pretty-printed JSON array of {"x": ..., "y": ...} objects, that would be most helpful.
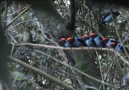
[{"x": 80, "y": 48}]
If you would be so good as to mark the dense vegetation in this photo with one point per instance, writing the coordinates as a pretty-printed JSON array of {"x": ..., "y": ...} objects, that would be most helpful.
[{"x": 59, "y": 69}]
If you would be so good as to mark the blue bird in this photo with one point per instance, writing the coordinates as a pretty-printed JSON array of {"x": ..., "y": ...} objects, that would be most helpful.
[
  {"x": 106, "y": 41},
  {"x": 62, "y": 42},
  {"x": 85, "y": 38},
  {"x": 66, "y": 42},
  {"x": 98, "y": 41},
  {"x": 77, "y": 41},
  {"x": 69, "y": 42},
  {"x": 74, "y": 42},
  {"x": 109, "y": 17},
  {"x": 80, "y": 40},
  {"x": 90, "y": 42},
  {"x": 118, "y": 47}
]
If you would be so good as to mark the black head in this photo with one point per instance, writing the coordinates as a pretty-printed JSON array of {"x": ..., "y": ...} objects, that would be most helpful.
[{"x": 116, "y": 13}]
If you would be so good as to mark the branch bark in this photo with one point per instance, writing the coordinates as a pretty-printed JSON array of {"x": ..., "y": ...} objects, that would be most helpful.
[{"x": 74, "y": 49}]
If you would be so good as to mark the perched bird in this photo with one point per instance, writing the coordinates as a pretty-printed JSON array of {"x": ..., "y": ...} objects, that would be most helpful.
[
  {"x": 69, "y": 42},
  {"x": 62, "y": 42},
  {"x": 107, "y": 41},
  {"x": 74, "y": 42},
  {"x": 84, "y": 38},
  {"x": 118, "y": 47},
  {"x": 98, "y": 41},
  {"x": 90, "y": 42},
  {"x": 109, "y": 17}
]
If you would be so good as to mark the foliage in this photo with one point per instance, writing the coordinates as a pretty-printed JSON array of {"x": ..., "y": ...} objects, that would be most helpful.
[{"x": 46, "y": 29}]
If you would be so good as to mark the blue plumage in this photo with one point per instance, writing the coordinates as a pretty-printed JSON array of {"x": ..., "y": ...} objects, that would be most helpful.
[
  {"x": 107, "y": 41},
  {"x": 68, "y": 44},
  {"x": 76, "y": 42},
  {"x": 65, "y": 43},
  {"x": 90, "y": 42},
  {"x": 62, "y": 42},
  {"x": 109, "y": 17},
  {"x": 118, "y": 47},
  {"x": 85, "y": 38},
  {"x": 98, "y": 41}
]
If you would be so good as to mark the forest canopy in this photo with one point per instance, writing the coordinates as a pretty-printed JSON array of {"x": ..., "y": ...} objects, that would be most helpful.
[{"x": 64, "y": 45}]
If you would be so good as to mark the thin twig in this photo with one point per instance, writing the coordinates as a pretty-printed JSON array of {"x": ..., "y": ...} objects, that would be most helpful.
[
  {"x": 16, "y": 11},
  {"x": 100, "y": 66},
  {"x": 27, "y": 8}
]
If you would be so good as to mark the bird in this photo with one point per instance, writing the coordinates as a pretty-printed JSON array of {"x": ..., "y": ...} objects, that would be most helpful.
[
  {"x": 69, "y": 42},
  {"x": 90, "y": 42},
  {"x": 62, "y": 42},
  {"x": 98, "y": 41},
  {"x": 109, "y": 17},
  {"x": 107, "y": 41},
  {"x": 118, "y": 47},
  {"x": 74, "y": 42},
  {"x": 84, "y": 38}
]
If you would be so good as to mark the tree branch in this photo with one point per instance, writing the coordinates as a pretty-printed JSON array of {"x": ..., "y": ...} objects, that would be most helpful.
[
  {"x": 77, "y": 70},
  {"x": 80, "y": 48},
  {"x": 41, "y": 73},
  {"x": 27, "y": 8},
  {"x": 47, "y": 76}
]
